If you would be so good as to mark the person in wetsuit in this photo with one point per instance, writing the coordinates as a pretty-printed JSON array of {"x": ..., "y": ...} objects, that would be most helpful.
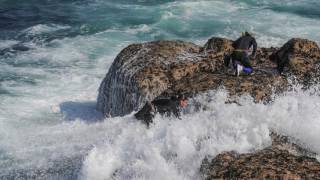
[
  {"x": 240, "y": 53},
  {"x": 166, "y": 107}
]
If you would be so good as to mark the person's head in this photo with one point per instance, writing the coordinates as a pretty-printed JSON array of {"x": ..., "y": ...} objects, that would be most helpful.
[
  {"x": 246, "y": 33},
  {"x": 183, "y": 101}
]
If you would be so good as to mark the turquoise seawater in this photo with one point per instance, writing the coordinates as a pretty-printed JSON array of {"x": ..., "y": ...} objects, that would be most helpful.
[{"x": 55, "y": 53}]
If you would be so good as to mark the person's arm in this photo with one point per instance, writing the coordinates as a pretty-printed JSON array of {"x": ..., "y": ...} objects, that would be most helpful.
[{"x": 255, "y": 46}]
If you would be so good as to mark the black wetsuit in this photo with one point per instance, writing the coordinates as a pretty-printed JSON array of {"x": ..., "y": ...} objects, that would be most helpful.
[
  {"x": 165, "y": 107},
  {"x": 241, "y": 46},
  {"x": 146, "y": 114}
]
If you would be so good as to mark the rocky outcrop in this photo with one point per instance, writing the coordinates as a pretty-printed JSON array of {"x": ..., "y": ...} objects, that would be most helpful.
[
  {"x": 144, "y": 72},
  {"x": 301, "y": 56},
  {"x": 141, "y": 72},
  {"x": 282, "y": 160},
  {"x": 218, "y": 46}
]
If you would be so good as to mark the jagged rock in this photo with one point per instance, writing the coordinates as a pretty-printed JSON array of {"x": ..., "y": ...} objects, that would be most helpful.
[
  {"x": 282, "y": 160},
  {"x": 300, "y": 55},
  {"x": 218, "y": 45},
  {"x": 144, "y": 72}
]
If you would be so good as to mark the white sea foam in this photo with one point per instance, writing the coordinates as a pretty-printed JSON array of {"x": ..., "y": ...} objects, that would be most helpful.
[
  {"x": 42, "y": 119},
  {"x": 43, "y": 28},
  {"x": 230, "y": 18},
  {"x": 174, "y": 149},
  {"x": 7, "y": 43}
]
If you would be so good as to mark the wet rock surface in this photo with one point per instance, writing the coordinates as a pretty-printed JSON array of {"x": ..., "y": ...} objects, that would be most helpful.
[
  {"x": 299, "y": 58},
  {"x": 282, "y": 160},
  {"x": 144, "y": 72},
  {"x": 141, "y": 72}
]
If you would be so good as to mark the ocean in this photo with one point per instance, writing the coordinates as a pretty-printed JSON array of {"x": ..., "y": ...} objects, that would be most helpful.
[{"x": 55, "y": 53}]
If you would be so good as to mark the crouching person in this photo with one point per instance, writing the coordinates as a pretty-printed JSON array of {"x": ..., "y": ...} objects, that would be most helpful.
[{"x": 240, "y": 57}]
